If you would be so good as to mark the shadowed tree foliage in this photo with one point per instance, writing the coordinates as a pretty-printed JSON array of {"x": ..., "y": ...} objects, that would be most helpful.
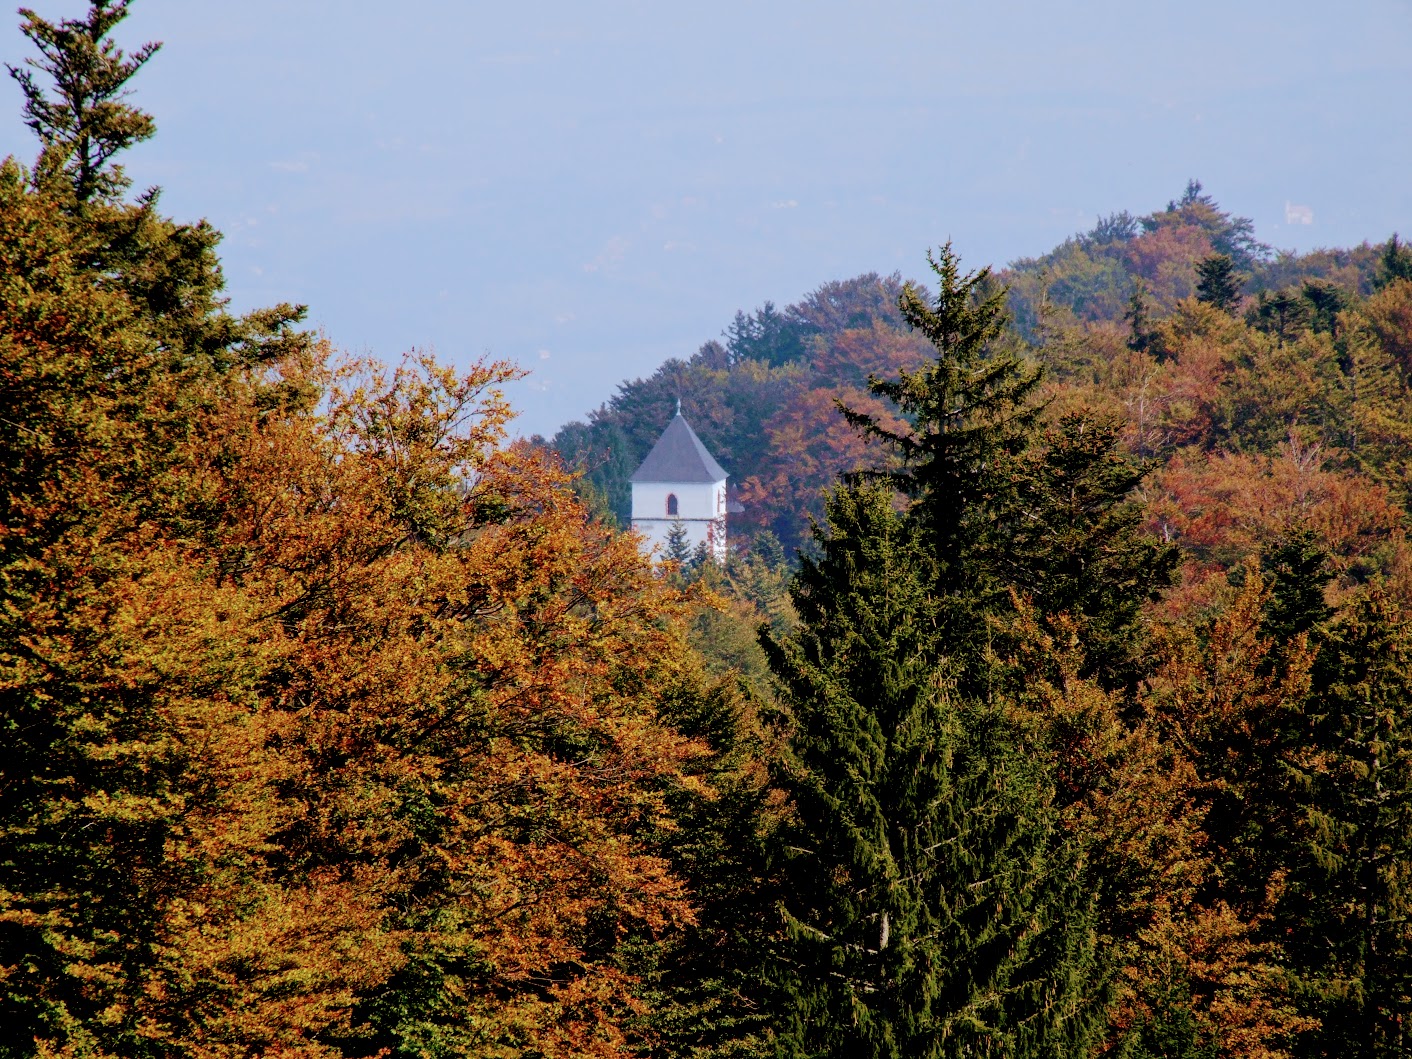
[
  {"x": 1394, "y": 263},
  {"x": 1218, "y": 285},
  {"x": 85, "y": 121},
  {"x": 933, "y": 905},
  {"x": 1344, "y": 913},
  {"x": 1079, "y": 551}
]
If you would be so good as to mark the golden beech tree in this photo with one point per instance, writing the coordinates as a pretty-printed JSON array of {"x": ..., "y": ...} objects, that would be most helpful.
[
  {"x": 332, "y": 722},
  {"x": 1193, "y": 977},
  {"x": 469, "y": 691}
]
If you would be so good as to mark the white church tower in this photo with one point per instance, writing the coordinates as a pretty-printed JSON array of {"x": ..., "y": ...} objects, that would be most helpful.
[{"x": 680, "y": 484}]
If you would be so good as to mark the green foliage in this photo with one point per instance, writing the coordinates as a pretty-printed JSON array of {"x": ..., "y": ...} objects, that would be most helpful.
[
  {"x": 1078, "y": 548},
  {"x": 1219, "y": 286},
  {"x": 1141, "y": 337},
  {"x": 1344, "y": 917},
  {"x": 968, "y": 417},
  {"x": 1282, "y": 315},
  {"x": 1298, "y": 572},
  {"x": 1394, "y": 263},
  {"x": 1326, "y": 300},
  {"x": 170, "y": 271},
  {"x": 85, "y": 122},
  {"x": 750, "y": 592},
  {"x": 678, "y": 550},
  {"x": 932, "y": 903},
  {"x": 768, "y": 336},
  {"x": 714, "y": 998}
]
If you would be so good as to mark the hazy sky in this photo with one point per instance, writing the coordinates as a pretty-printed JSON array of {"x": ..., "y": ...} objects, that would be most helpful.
[{"x": 591, "y": 187}]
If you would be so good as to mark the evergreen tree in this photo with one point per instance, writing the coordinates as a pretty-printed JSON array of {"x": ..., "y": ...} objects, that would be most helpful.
[
  {"x": 1078, "y": 549},
  {"x": 932, "y": 907},
  {"x": 1395, "y": 263},
  {"x": 768, "y": 335},
  {"x": 968, "y": 417},
  {"x": 1297, "y": 568},
  {"x": 1218, "y": 284},
  {"x": 701, "y": 557},
  {"x": 75, "y": 102},
  {"x": 1282, "y": 315},
  {"x": 1053, "y": 521},
  {"x": 1142, "y": 337},
  {"x": 1346, "y": 915},
  {"x": 1326, "y": 300},
  {"x": 678, "y": 549},
  {"x": 1316, "y": 793},
  {"x": 711, "y": 993},
  {"x": 86, "y": 122}
]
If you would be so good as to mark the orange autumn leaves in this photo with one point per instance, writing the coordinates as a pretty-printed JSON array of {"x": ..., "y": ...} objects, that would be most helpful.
[
  {"x": 469, "y": 677},
  {"x": 346, "y": 702}
]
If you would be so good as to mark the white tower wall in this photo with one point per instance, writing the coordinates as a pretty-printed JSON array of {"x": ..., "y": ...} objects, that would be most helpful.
[
  {"x": 701, "y": 510},
  {"x": 679, "y": 483}
]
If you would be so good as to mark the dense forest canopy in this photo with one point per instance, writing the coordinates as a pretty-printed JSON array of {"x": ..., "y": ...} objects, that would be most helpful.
[
  {"x": 1055, "y": 703},
  {"x": 764, "y": 397}
]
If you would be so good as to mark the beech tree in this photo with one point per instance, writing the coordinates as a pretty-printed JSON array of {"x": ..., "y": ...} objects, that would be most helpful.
[{"x": 332, "y": 723}]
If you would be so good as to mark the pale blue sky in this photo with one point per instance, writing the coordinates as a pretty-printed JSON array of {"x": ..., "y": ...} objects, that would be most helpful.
[{"x": 592, "y": 187}]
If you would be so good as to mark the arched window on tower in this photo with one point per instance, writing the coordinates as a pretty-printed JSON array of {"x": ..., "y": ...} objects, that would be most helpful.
[{"x": 672, "y": 505}]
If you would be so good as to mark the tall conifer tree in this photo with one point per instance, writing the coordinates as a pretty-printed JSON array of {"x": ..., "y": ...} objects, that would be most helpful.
[
  {"x": 970, "y": 415},
  {"x": 76, "y": 103},
  {"x": 1346, "y": 916},
  {"x": 1217, "y": 283},
  {"x": 932, "y": 907}
]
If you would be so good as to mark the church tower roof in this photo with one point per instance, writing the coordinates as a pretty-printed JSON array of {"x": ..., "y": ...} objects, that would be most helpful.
[{"x": 679, "y": 456}]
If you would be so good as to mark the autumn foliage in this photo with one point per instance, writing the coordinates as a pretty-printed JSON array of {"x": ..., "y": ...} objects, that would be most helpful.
[
  {"x": 333, "y": 721},
  {"x": 337, "y": 724}
]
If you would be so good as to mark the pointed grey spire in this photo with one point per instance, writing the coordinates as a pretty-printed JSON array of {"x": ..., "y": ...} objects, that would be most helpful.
[{"x": 679, "y": 456}]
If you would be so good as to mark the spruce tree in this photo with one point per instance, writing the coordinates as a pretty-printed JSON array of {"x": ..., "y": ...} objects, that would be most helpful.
[
  {"x": 1282, "y": 314},
  {"x": 678, "y": 548},
  {"x": 1218, "y": 285},
  {"x": 1325, "y": 300},
  {"x": 1322, "y": 802},
  {"x": 1345, "y": 918},
  {"x": 1006, "y": 508},
  {"x": 970, "y": 414},
  {"x": 1142, "y": 338},
  {"x": 76, "y": 103},
  {"x": 1297, "y": 569},
  {"x": 1395, "y": 263},
  {"x": 1077, "y": 548},
  {"x": 85, "y": 122},
  {"x": 932, "y": 907}
]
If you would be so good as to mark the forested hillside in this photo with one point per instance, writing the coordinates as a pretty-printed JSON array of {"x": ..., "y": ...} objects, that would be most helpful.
[
  {"x": 764, "y": 398},
  {"x": 1182, "y": 543},
  {"x": 336, "y": 725}
]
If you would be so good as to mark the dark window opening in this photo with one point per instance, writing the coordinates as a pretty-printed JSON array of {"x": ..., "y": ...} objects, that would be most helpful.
[{"x": 671, "y": 503}]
